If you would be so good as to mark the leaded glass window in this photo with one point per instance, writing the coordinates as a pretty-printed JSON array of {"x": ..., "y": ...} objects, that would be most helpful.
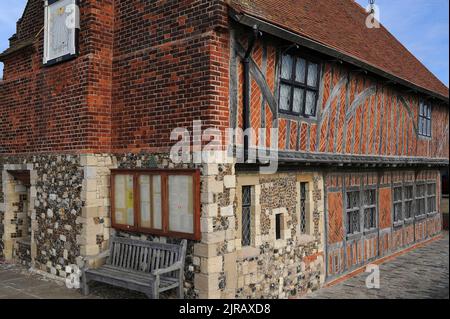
[
  {"x": 420, "y": 199},
  {"x": 246, "y": 215},
  {"x": 425, "y": 119},
  {"x": 299, "y": 86},
  {"x": 353, "y": 212},
  {"x": 303, "y": 206},
  {"x": 431, "y": 198},
  {"x": 370, "y": 202},
  {"x": 409, "y": 200},
  {"x": 398, "y": 201}
]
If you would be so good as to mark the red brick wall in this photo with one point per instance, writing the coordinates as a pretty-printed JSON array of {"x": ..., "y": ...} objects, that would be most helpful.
[
  {"x": 65, "y": 107},
  {"x": 145, "y": 67},
  {"x": 170, "y": 68}
]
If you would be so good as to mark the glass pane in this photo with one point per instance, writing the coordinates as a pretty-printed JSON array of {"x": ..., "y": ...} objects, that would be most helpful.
[
  {"x": 299, "y": 96},
  {"x": 408, "y": 209},
  {"x": 123, "y": 200},
  {"x": 246, "y": 215},
  {"x": 312, "y": 74},
  {"x": 421, "y": 126},
  {"x": 429, "y": 127},
  {"x": 409, "y": 192},
  {"x": 431, "y": 189},
  {"x": 181, "y": 204},
  {"x": 286, "y": 68},
  {"x": 150, "y": 201},
  {"x": 285, "y": 97},
  {"x": 397, "y": 194},
  {"x": 429, "y": 111},
  {"x": 352, "y": 200},
  {"x": 157, "y": 210},
  {"x": 145, "y": 192},
  {"x": 310, "y": 108},
  {"x": 421, "y": 112},
  {"x": 300, "y": 70}
]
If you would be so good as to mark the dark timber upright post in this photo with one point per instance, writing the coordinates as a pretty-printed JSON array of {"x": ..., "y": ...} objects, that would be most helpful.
[{"x": 246, "y": 98}]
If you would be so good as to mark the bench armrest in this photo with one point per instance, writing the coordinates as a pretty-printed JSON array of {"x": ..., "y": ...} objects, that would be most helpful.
[{"x": 162, "y": 271}]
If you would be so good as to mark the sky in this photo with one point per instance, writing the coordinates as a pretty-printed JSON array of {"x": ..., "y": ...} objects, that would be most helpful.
[{"x": 421, "y": 25}]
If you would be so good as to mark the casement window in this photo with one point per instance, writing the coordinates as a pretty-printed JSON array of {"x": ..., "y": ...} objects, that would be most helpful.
[
  {"x": 370, "y": 209},
  {"x": 353, "y": 212},
  {"x": 299, "y": 86},
  {"x": 420, "y": 199},
  {"x": 157, "y": 202},
  {"x": 425, "y": 119},
  {"x": 304, "y": 207},
  {"x": 398, "y": 204},
  {"x": 247, "y": 203},
  {"x": 409, "y": 200},
  {"x": 431, "y": 198},
  {"x": 61, "y": 30}
]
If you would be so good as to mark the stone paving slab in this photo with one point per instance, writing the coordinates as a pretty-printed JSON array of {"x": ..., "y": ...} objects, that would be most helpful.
[{"x": 422, "y": 273}]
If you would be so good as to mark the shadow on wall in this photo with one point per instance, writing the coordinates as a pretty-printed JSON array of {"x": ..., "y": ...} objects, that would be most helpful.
[{"x": 444, "y": 209}]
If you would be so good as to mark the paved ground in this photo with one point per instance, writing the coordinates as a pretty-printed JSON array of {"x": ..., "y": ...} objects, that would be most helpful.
[
  {"x": 17, "y": 282},
  {"x": 419, "y": 274}
]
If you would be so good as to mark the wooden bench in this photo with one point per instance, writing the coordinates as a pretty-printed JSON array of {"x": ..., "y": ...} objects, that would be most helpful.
[{"x": 144, "y": 266}]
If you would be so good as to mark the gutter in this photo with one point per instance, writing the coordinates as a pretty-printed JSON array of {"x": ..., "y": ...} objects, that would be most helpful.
[{"x": 278, "y": 32}]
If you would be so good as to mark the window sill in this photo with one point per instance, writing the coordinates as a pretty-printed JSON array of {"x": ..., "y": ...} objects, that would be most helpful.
[
  {"x": 399, "y": 223},
  {"x": 432, "y": 214},
  {"x": 354, "y": 236},
  {"x": 409, "y": 220},
  {"x": 370, "y": 231},
  {"x": 305, "y": 239},
  {"x": 420, "y": 217},
  {"x": 296, "y": 117},
  {"x": 248, "y": 253}
]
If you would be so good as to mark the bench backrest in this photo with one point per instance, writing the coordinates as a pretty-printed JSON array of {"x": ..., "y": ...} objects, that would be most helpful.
[{"x": 144, "y": 256}]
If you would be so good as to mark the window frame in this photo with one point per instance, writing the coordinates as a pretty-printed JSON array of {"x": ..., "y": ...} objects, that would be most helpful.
[
  {"x": 428, "y": 196},
  {"x": 374, "y": 206},
  {"x": 304, "y": 216},
  {"x": 250, "y": 207},
  {"x": 353, "y": 210},
  {"x": 418, "y": 198},
  {"x": 398, "y": 202},
  {"x": 292, "y": 83},
  {"x": 426, "y": 119},
  {"x": 407, "y": 200},
  {"x": 164, "y": 173}
]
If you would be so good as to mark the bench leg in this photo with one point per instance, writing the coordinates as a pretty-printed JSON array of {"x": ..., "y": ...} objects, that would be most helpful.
[
  {"x": 85, "y": 288},
  {"x": 156, "y": 291},
  {"x": 180, "y": 291}
]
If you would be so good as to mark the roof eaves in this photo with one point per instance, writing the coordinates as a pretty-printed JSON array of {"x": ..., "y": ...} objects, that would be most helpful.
[{"x": 277, "y": 31}]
